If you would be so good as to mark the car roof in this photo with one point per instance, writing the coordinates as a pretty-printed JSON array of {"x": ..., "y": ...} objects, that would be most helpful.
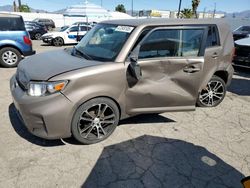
[
  {"x": 5, "y": 15},
  {"x": 164, "y": 21}
]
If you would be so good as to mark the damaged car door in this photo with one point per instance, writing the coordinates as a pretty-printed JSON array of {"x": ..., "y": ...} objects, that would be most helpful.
[{"x": 171, "y": 61}]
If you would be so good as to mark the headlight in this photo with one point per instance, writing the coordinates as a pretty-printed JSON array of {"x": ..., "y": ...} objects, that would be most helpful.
[{"x": 38, "y": 89}]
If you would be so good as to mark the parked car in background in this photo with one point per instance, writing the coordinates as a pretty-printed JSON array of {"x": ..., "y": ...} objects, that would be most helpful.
[
  {"x": 70, "y": 35},
  {"x": 242, "y": 53},
  {"x": 49, "y": 23},
  {"x": 35, "y": 24},
  {"x": 35, "y": 30},
  {"x": 122, "y": 68},
  {"x": 14, "y": 40},
  {"x": 241, "y": 32}
]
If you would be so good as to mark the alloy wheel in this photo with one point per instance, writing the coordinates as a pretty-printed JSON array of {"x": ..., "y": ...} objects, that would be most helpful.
[
  {"x": 58, "y": 41},
  {"x": 213, "y": 94},
  {"x": 96, "y": 122},
  {"x": 38, "y": 36},
  {"x": 9, "y": 57}
]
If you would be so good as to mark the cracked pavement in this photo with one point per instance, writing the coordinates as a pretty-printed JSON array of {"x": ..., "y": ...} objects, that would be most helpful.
[{"x": 209, "y": 147}]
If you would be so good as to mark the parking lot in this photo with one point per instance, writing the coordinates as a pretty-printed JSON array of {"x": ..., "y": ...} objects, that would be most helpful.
[{"x": 209, "y": 147}]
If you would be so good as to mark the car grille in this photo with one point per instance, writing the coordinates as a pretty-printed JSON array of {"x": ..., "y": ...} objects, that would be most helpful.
[
  {"x": 243, "y": 51},
  {"x": 22, "y": 79}
]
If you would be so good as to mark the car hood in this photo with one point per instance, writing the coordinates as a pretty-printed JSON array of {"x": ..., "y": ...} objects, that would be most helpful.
[
  {"x": 240, "y": 33},
  {"x": 53, "y": 34},
  {"x": 43, "y": 66},
  {"x": 243, "y": 42}
]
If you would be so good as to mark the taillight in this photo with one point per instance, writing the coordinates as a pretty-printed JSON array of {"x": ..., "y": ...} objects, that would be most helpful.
[{"x": 27, "y": 40}]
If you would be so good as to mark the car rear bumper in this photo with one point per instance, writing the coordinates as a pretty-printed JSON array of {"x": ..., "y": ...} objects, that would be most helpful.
[
  {"x": 47, "y": 117},
  {"x": 29, "y": 53},
  {"x": 230, "y": 71}
]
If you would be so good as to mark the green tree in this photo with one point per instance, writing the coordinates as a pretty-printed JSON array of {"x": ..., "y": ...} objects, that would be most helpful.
[
  {"x": 120, "y": 8},
  {"x": 195, "y": 4},
  {"x": 186, "y": 13},
  {"x": 24, "y": 8}
]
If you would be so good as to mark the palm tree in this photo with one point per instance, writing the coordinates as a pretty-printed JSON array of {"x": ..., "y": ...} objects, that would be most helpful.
[
  {"x": 186, "y": 13},
  {"x": 195, "y": 4}
]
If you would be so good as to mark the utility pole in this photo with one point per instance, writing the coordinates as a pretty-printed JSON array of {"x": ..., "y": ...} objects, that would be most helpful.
[
  {"x": 132, "y": 8},
  {"x": 179, "y": 9},
  {"x": 101, "y": 3},
  {"x": 14, "y": 6},
  {"x": 214, "y": 10},
  {"x": 19, "y": 5}
]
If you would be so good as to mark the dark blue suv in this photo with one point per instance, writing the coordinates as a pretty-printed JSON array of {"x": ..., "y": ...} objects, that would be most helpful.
[{"x": 15, "y": 41}]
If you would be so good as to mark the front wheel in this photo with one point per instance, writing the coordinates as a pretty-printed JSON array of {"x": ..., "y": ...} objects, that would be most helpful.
[
  {"x": 58, "y": 41},
  {"x": 95, "y": 120},
  {"x": 213, "y": 94}
]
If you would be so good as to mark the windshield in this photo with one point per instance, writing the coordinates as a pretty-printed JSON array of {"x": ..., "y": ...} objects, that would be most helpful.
[
  {"x": 64, "y": 28},
  {"x": 104, "y": 41}
]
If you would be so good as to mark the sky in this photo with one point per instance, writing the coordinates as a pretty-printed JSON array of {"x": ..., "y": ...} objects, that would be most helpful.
[{"x": 222, "y": 5}]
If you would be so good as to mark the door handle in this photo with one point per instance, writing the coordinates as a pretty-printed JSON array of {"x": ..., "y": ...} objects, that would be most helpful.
[
  {"x": 215, "y": 55},
  {"x": 191, "y": 69}
]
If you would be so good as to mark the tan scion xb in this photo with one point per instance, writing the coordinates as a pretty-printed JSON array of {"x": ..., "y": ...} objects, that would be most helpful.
[{"x": 122, "y": 68}]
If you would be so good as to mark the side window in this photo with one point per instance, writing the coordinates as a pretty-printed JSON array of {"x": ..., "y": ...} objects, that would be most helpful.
[
  {"x": 11, "y": 24},
  {"x": 84, "y": 28},
  {"x": 212, "y": 37},
  {"x": 73, "y": 29},
  {"x": 172, "y": 43},
  {"x": 142, "y": 35}
]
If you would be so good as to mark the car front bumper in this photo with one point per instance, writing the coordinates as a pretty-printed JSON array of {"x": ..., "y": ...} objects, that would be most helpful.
[
  {"x": 241, "y": 61},
  {"x": 47, "y": 39},
  {"x": 47, "y": 117}
]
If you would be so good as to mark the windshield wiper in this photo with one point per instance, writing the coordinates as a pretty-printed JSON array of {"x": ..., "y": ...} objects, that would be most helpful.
[{"x": 86, "y": 56}]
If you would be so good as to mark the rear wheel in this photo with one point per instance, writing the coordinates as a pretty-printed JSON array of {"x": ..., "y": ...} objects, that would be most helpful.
[
  {"x": 58, "y": 41},
  {"x": 95, "y": 120},
  {"x": 9, "y": 57},
  {"x": 50, "y": 28},
  {"x": 213, "y": 94},
  {"x": 38, "y": 36}
]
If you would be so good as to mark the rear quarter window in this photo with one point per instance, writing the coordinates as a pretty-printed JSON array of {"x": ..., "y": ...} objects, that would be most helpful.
[
  {"x": 212, "y": 37},
  {"x": 11, "y": 24}
]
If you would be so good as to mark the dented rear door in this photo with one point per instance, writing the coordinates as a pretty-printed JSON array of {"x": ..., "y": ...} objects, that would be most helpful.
[{"x": 171, "y": 61}]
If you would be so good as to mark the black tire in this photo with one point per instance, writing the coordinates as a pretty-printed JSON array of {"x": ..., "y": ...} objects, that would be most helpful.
[
  {"x": 9, "y": 57},
  {"x": 95, "y": 120},
  {"x": 58, "y": 41},
  {"x": 213, "y": 94},
  {"x": 38, "y": 36}
]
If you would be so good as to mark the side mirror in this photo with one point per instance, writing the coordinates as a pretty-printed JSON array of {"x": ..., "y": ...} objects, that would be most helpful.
[{"x": 134, "y": 68}]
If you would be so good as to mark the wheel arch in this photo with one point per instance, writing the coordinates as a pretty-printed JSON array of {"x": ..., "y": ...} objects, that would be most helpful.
[
  {"x": 102, "y": 96},
  {"x": 11, "y": 46},
  {"x": 223, "y": 75}
]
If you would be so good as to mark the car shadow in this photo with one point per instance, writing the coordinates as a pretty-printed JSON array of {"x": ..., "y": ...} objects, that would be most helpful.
[
  {"x": 23, "y": 132},
  {"x": 240, "y": 86},
  {"x": 150, "y": 161},
  {"x": 146, "y": 118}
]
